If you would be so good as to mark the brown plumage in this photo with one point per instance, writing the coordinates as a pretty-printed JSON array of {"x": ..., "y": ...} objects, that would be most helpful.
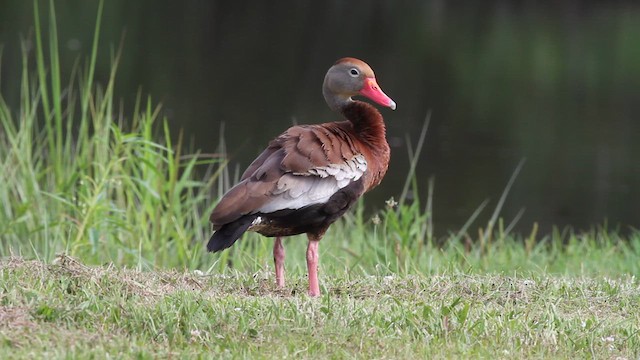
[{"x": 310, "y": 175}]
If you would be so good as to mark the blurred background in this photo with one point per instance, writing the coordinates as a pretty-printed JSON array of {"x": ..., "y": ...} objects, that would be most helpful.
[{"x": 556, "y": 84}]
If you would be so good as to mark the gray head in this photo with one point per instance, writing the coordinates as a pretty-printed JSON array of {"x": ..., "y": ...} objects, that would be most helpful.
[{"x": 350, "y": 77}]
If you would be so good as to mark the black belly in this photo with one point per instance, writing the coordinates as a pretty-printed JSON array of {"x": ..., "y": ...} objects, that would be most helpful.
[{"x": 314, "y": 219}]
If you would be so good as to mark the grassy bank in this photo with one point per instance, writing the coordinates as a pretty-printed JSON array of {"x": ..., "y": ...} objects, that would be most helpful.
[{"x": 67, "y": 309}]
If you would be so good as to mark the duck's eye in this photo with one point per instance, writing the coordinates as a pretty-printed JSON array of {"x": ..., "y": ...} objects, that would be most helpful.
[{"x": 354, "y": 72}]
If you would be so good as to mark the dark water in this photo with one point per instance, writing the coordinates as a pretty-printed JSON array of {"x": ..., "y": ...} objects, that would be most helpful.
[{"x": 556, "y": 84}]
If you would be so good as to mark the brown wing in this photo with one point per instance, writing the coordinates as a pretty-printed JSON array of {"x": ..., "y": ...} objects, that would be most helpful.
[
  {"x": 258, "y": 161},
  {"x": 303, "y": 166}
]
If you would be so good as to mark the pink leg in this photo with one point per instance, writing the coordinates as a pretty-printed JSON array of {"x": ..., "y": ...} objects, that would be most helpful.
[
  {"x": 312, "y": 266},
  {"x": 278, "y": 258}
]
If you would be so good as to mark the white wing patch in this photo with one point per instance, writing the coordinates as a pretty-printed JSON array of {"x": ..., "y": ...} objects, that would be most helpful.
[
  {"x": 350, "y": 170},
  {"x": 296, "y": 190}
]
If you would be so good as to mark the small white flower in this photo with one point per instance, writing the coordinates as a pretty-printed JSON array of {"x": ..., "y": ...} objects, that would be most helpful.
[
  {"x": 198, "y": 272},
  {"x": 391, "y": 203},
  {"x": 609, "y": 339}
]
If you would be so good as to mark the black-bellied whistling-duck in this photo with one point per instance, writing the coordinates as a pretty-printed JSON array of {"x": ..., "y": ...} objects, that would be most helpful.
[{"x": 311, "y": 174}]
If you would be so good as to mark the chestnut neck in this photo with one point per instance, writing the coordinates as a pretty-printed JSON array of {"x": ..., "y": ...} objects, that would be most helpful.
[
  {"x": 367, "y": 123},
  {"x": 369, "y": 128}
]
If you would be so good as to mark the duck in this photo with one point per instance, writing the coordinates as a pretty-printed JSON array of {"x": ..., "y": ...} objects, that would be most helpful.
[{"x": 311, "y": 175}]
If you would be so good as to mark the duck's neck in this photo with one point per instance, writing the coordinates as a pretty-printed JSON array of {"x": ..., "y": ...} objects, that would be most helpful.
[
  {"x": 370, "y": 130},
  {"x": 367, "y": 123}
]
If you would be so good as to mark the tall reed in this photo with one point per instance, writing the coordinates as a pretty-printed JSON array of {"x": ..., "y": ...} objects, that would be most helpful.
[{"x": 79, "y": 176}]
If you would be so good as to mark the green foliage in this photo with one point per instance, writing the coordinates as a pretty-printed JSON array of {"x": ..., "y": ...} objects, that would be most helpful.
[{"x": 75, "y": 179}]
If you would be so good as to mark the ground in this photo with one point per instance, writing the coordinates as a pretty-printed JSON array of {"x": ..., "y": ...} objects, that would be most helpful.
[{"x": 67, "y": 309}]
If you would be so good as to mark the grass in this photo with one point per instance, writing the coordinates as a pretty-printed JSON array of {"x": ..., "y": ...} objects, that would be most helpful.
[
  {"x": 96, "y": 205},
  {"x": 80, "y": 176},
  {"x": 69, "y": 310}
]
